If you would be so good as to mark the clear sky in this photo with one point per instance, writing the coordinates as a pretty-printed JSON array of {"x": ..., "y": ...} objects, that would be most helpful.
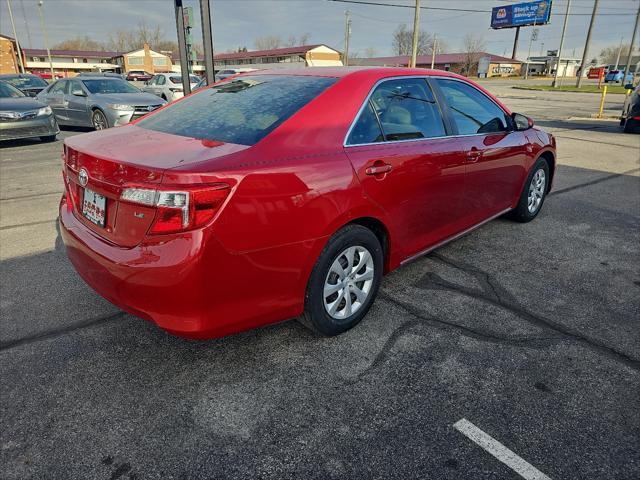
[{"x": 239, "y": 22}]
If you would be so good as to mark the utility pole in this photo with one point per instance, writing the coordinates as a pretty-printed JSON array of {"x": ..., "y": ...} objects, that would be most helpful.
[
  {"x": 347, "y": 35},
  {"x": 414, "y": 44},
  {"x": 554, "y": 84},
  {"x": 46, "y": 37},
  {"x": 182, "y": 47},
  {"x": 585, "y": 53},
  {"x": 434, "y": 47},
  {"x": 207, "y": 40},
  {"x": 515, "y": 43},
  {"x": 633, "y": 39},
  {"x": 18, "y": 51},
  {"x": 619, "y": 52},
  {"x": 534, "y": 36}
]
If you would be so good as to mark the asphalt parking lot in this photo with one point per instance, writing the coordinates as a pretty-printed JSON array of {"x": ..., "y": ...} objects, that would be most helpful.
[{"x": 528, "y": 331}]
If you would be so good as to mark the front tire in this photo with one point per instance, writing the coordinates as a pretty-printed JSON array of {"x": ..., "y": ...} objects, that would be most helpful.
[
  {"x": 344, "y": 281},
  {"x": 98, "y": 120},
  {"x": 533, "y": 194}
]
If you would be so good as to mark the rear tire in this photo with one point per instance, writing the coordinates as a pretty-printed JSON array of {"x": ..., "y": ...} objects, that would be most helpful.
[
  {"x": 533, "y": 194},
  {"x": 48, "y": 138},
  {"x": 344, "y": 281}
]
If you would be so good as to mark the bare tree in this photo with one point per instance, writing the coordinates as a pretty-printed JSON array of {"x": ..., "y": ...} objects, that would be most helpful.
[
  {"x": 473, "y": 46},
  {"x": 269, "y": 42},
  {"x": 403, "y": 42},
  {"x": 80, "y": 43},
  {"x": 370, "y": 52},
  {"x": 610, "y": 53}
]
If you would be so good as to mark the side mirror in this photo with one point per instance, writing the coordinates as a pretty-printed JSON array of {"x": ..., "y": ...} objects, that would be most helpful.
[
  {"x": 78, "y": 92},
  {"x": 628, "y": 86},
  {"x": 521, "y": 122}
]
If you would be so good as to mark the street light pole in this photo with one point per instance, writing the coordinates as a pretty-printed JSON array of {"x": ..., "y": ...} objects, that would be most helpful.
[
  {"x": 554, "y": 84},
  {"x": 583, "y": 64},
  {"x": 347, "y": 36},
  {"x": 182, "y": 48},
  {"x": 15, "y": 36},
  {"x": 434, "y": 47},
  {"x": 619, "y": 52},
  {"x": 414, "y": 43},
  {"x": 207, "y": 40},
  {"x": 46, "y": 37},
  {"x": 633, "y": 39}
]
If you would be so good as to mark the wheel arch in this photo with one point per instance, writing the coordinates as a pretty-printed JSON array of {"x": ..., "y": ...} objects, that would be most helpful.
[
  {"x": 550, "y": 158},
  {"x": 381, "y": 232}
]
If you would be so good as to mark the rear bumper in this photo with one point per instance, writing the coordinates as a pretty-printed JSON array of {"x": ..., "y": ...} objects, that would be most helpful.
[
  {"x": 37, "y": 127},
  {"x": 189, "y": 285}
]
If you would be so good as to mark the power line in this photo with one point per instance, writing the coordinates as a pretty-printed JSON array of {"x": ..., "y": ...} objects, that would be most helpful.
[{"x": 448, "y": 9}]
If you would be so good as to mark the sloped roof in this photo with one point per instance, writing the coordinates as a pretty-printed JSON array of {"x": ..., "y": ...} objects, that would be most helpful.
[
  {"x": 41, "y": 52},
  {"x": 439, "y": 59}
]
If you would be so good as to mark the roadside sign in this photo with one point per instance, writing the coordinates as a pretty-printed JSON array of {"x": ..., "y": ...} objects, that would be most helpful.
[
  {"x": 187, "y": 15},
  {"x": 521, "y": 14}
]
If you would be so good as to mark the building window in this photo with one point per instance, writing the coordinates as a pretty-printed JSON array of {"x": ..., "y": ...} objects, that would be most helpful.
[
  {"x": 159, "y": 61},
  {"x": 135, "y": 60},
  {"x": 36, "y": 59},
  {"x": 84, "y": 60}
]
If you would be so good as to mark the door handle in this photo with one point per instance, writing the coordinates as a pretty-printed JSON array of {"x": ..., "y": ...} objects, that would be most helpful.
[
  {"x": 473, "y": 155},
  {"x": 378, "y": 169}
]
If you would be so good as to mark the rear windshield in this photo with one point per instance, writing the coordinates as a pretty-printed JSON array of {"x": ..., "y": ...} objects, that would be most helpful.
[
  {"x": 242, "y": 111},
  {"x": 109, "y": 85},
  {"x": 26, "y": 82}
]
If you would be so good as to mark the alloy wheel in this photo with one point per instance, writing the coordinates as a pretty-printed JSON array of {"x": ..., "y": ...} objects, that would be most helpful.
[
  {"x": 348, "y": 282},
  {"x": 536, "y": 191},
  {"x": 99, "y": 122}
]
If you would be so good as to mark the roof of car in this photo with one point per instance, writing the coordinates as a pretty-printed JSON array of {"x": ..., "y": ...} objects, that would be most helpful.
[
  {"x": 17, "y": 75},
  {"x": 370, "y": 72}
]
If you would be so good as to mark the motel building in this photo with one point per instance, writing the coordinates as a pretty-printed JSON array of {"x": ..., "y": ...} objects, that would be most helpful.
[
  {"x": 289, "y": 57},
  {"x": 482, "y": 63}
]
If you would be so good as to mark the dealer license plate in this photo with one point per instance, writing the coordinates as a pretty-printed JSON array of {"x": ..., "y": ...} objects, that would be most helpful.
[{"x": 94, "y": 207}]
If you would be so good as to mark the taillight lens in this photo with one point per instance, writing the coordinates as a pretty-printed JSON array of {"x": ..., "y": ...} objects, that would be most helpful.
[{"x": 181, "y": 210}]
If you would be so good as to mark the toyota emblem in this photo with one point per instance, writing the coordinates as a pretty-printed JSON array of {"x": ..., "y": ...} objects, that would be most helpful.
[{"x": 83, "y": 177}]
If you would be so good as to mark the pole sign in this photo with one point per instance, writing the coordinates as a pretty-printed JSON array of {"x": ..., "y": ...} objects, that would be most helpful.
[{"x": 521, "y": 14}]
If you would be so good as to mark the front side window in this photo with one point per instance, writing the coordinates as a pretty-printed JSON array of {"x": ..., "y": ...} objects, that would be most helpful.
[
  {"x": 473, "y": 113},
  {"x": 160, "y": 80},
  {"x": 242, "y": 111},
  {"x": 406, "y": 110}
]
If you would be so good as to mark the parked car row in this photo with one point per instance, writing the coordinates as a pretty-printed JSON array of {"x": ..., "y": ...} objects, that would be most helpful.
[{"x": 616, "y": 76}]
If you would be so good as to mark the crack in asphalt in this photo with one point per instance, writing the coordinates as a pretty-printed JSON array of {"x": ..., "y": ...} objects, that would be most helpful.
[
  {"x": 598, "y": 141},
  {"x": 32, "y": 195},
  {"x": 594, "y": 182},
  {"x": 491, "y": 292},
  {"x": 58, "y": 332},
  {"x": 30, "y": 224}
]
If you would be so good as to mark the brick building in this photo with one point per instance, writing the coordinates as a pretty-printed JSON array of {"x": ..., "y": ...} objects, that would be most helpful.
[{"x": 8, "y": 55}]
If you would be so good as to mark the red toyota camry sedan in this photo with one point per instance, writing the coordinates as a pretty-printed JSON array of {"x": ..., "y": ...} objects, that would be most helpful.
[{"x": 282, "y": 194}]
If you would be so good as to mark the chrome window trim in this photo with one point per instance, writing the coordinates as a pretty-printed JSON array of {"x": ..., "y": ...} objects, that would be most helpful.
[{"x": 424, "y": 77}]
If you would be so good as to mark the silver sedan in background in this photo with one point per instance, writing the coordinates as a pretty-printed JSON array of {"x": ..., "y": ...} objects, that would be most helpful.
[{"x": 97, "y": 101}]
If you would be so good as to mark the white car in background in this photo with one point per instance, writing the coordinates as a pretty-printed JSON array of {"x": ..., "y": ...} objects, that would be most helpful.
[
  {"x": 168, "y": 85},
  {"x": 229, "y": 72}
]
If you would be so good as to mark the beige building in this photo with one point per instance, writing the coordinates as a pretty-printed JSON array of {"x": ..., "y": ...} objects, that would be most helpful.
[
  {"x": 144, "y": 59},
  {"x": 8, "y": 55},
  {"x": 68, "y": 63}
]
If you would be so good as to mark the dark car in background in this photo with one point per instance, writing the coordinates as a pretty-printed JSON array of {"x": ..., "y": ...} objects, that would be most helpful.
[
  {"x": 97, "y": 101},
  {"x": 138, "y": 76},
  {"x": 30, "y": 85},
  {"x": 24, "y": 117},
  {"x": 630, "y": 119}
]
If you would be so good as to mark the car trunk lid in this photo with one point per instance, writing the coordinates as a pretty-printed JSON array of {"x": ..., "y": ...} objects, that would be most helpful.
[{"x": 125, "y": 157}]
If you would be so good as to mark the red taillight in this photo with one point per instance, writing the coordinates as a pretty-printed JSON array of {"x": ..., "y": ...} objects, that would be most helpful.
[{"x": 179, "y": 210}]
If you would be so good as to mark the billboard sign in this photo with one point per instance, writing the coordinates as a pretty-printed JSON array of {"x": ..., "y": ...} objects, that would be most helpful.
[{"x": 521, "y": 14}]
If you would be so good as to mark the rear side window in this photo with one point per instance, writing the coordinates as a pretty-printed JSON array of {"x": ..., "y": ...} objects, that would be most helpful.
[
  {"x": 472, "y": 111},
  {"x": 242, "y": 111},
  {"x": 405, "y": 109}
]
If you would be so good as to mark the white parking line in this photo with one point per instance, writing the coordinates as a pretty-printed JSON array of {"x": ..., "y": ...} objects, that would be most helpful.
[{"x": 502, "y": 453}]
